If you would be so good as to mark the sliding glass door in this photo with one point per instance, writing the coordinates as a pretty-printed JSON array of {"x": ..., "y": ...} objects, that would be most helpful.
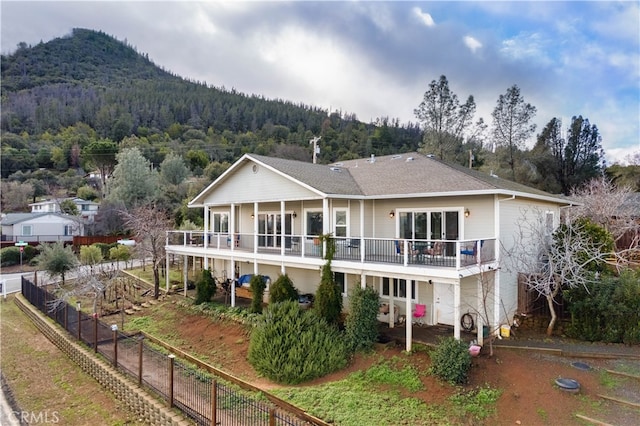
[{"x": 270, "y": 229}]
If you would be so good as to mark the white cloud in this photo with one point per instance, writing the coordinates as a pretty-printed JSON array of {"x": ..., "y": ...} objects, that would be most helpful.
[
  {"x": 424, "y": 17},
  {"x": 472, "y": 43},
  {"x": 527, "y": 47}
]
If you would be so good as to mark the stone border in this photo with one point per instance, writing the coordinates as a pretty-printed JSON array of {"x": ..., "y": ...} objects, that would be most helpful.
[{"x": 135, "y": 398}]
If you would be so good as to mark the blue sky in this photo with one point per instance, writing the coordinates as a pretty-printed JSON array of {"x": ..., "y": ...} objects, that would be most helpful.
[{"x": 376, "y": 59}]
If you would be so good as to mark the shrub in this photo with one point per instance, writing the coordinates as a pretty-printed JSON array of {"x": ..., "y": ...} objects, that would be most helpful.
[
  {"x": 451, "y": 361},
  {"x": 257, "y": 285},
  {"x": 282, "y": 290},
  {"x": 205, "y": 287},
  {"x": 361, "y": 325},
  {"x": 328, "y": 299},
  {"x": 290, "y": 345},
  {"x": 607, "y": 310},
  {"x": 10, "y": 256}
]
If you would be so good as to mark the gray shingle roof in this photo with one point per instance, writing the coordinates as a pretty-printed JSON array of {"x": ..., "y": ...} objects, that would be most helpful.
[
  {"x": 13, "y": 218},
  {"x": 394, "y": 175}
]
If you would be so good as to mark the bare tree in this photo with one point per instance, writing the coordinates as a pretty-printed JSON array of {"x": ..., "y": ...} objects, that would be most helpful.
[
  {"x": 552, "y": 260},
  {"x": 611, "y": 207},
  {"x": 149, "y": 226}
]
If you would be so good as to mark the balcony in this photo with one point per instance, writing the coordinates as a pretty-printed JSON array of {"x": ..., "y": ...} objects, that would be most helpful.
[{"x": 413, "y": 253}]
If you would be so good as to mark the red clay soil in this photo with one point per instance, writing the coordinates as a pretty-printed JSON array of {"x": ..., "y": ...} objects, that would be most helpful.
[{"x": 526, "y": 378}]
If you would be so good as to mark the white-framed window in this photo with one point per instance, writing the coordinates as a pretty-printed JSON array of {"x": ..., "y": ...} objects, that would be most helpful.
[
  {"x": 27, "y": 230},
  {"x": 341, "y": 282},
  {"x": 399, "y": 288},
  {"x": 220, "y": 223},
  {"x": 313, "y": 222},
  {"x": 341, "y": 223},
  {"x": 549, "y": 222},
  {"x": 68, "y": 230}
]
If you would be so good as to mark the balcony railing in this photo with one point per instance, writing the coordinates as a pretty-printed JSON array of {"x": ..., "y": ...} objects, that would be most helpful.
[{"x": 444, "y": 253}]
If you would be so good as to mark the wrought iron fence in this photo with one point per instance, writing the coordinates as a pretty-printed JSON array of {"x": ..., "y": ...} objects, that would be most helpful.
[{"x": 183, "y": 382}]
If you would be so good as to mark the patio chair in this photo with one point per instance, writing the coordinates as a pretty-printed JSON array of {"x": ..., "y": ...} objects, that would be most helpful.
[
  {"x": 436, "y": 250},
  {"x": 419, "y": 314}
]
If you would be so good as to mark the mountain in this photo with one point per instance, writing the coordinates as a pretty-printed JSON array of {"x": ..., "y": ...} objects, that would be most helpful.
[{"x": 90, "y": 77}]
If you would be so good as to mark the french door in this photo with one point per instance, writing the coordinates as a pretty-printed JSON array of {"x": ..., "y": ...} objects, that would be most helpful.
[
  {"x": 270, "y": 229},
  {"x": 431, "y": 225}
]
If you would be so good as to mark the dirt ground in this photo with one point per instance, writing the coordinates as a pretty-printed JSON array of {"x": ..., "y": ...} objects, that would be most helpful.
[{"x": 527, "y": 378}]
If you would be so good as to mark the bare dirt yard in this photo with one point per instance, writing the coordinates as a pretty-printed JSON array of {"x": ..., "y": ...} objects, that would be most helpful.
[{"x": 526, "y": 377}]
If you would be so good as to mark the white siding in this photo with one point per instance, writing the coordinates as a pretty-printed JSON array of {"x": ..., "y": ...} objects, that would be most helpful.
[{"x": 245, "y": 186}]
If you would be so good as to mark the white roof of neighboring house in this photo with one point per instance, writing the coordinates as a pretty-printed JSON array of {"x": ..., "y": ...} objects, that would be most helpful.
[{"x": 10, "y": 219}]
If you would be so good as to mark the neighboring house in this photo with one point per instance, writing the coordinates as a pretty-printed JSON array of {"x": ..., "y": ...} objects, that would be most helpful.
[
  {"x": 87, "y": 209},
  {"x": 418, "y": 230},
  {"x": 40, "y": 227}
]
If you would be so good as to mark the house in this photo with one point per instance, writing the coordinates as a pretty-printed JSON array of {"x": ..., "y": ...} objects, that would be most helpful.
[
  {"x": 40, "y": 227},
  {"x": 418, "y": 230},
  {"x": 87, "y": 209}
]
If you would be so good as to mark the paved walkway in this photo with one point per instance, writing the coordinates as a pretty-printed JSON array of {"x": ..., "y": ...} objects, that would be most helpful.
[{"x": 430, "y": 335}]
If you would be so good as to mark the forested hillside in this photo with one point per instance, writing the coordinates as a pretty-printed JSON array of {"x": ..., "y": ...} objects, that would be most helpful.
[{"x": 91, "y": 78}]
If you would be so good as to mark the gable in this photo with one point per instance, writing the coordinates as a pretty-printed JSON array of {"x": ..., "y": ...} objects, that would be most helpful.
[{"x": 254, "y": 182}]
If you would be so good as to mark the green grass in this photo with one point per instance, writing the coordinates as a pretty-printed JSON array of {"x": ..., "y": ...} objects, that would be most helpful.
[
  {"x": 478, "y": 404},
  {"x": 608, "y": 380},
  {"x": 380, "y": 393}
]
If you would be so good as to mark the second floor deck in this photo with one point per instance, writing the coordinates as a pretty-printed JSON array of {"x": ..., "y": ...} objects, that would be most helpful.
[{"x": 455, "y": 254}]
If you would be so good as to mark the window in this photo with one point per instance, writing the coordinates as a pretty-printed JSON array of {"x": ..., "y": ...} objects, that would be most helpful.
[
  {"x": 68, "y": 230},
  {"x": 399, "y": 288},
  {"x": 314, "y": 222},
  {"x": 549, "y": 222},
  {"x": 220, "y": 223},
  {"x": 27, "y": 230},
  {"x": 341, "y": 282},
  {"x": 341, "y": 225}
]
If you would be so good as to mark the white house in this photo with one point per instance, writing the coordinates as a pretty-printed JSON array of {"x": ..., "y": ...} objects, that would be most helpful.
[
  {"x": 40, "y": 227},
  {"x": 87, "y": 209},
  {"x": 418, "y": 230}
]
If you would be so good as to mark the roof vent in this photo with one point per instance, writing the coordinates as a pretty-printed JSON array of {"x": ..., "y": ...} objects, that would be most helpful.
[
  {"x": 409, "y": 159},
  {"x": 430, "y": 155},
  {"x": 372, "y": 159},
  {"x": 335, "y": 169},
  {"x": 492, "y": 174},
  {"x": 339, "y": 164},
  {"x": 395, "y": 157}
]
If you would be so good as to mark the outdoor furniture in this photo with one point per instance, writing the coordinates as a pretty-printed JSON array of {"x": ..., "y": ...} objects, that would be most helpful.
[
  {"x": 419, "y": 314},
  {"x": 383, "y": 313}
]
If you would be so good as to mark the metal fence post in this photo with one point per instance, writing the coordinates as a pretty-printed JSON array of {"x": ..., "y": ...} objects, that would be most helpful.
[
  {"x": 140, "y": 350},
  {"x": 171, "y": 361},
  {"x": 214, "y": 402},
  {"x": 66, "y": 312},
  {"x": 79, "y": 319},
  {"x": 95, "y": 333},
  {"x": 114, "y": 329}
]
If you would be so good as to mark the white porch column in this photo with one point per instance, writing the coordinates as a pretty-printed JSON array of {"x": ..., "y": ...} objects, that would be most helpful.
[
  {"x": 391, "y": 303},
  {"x": 255, "y": 227},
  {"x": 232, "y": 226},
  {"x": 166, "y": 275},
  {"x": 456, "y": 310},
  {"x": 480, "y": 318},
  {"x": 362, "y": 246},
  {"x": 496, "y": 303},
  {"x": 233, "y": 283},
  {"x": 185, "y": 265},
  {"x": 408, "y": 324},
  {"x": 282, "y": 234},
  {"x": 206, "y": 226},
  {"x": 363, "y": 280},
  {"x": 326, "y": 222}
]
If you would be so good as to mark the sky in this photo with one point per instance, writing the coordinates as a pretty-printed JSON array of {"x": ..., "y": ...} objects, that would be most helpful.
[{"x": 376, "y": 58}]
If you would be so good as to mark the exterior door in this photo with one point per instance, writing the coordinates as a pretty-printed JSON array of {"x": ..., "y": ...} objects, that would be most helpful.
[
  {"x": 443, "y": 303},
  {"x": 270, "y": 229}
]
